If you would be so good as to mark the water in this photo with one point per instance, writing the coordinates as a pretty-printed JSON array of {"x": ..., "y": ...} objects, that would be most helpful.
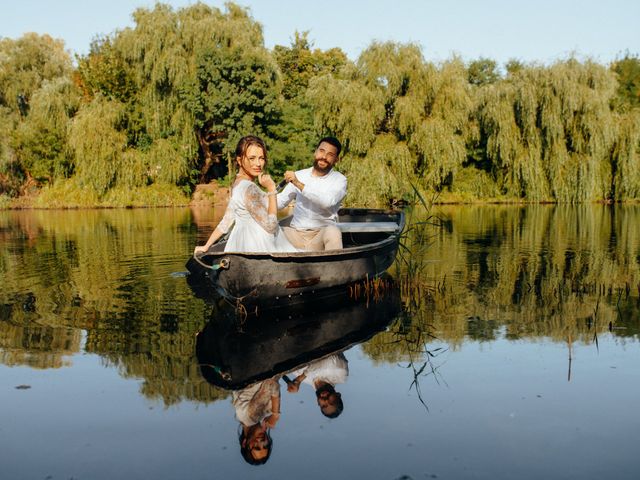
[{"x": 515, "y": 355}]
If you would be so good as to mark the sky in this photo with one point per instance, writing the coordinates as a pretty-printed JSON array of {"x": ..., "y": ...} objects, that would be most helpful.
[{"x": 541, "y": 31}]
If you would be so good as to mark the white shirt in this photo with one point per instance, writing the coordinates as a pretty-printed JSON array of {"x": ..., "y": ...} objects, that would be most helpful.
[
  {"x": 317, "y": 204},
  {"x": 333, "y": 369}
]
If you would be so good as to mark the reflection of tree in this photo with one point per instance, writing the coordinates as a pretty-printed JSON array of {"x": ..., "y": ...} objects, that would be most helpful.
[
  {"x": 524, "y": 272},
  {"x": 565, "y": 273},
  {"x": 106, "y": 272},
  {"x": 410, "y": 342},
  {"x": 47, "y": 347}
]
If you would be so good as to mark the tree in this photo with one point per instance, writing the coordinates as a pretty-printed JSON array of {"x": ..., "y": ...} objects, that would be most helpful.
[
  {"x": 37, "y": 100},
  {"x": 299, "y": 64},
  {"x": 548, "y": 132},
  {"x": 483, "y": 71},
  {"x": 292, "y": 133},
  {"x": 236, "y": 92},
  {"x": 627, "y": 70},
  {"x": 26, "y": 63},
  {"x": 40, "y": 140},
  {"x": 189, "y": 82},
  {"x": 400, "y": 117}
]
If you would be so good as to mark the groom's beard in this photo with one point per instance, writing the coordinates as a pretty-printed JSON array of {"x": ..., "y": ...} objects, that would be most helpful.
[{"x": 323, "y": 170}]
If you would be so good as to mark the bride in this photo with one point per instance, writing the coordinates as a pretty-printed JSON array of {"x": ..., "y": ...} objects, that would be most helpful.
[{"x": 253, "y": 211}]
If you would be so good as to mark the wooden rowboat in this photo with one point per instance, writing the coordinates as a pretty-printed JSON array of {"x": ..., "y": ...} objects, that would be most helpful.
[
  {"x": 370, "y": 238},
  {"x": 234, "y": 353}
]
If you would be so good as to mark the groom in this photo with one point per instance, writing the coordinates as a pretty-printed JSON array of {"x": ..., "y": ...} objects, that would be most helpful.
[{"x": 318, "y": 192}]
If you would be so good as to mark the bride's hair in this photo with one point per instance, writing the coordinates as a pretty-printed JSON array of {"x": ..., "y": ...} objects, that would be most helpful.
[{"x": 246, "y": 142}]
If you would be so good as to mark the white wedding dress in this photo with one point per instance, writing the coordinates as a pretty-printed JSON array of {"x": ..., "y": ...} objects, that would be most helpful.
[{"x": 254, "y": 230}]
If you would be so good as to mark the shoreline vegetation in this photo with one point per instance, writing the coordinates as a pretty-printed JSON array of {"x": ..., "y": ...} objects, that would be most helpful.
[{"x": 150, "y": 116}]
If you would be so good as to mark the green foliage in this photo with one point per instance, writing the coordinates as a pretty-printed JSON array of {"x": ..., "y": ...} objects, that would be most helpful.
[
  {"x": 403, "y": 118},
  {"x": 292, "y": 134},
  {"x": 627, "y": 70},
  {"x": 292, "y": 138},
  {"x": 72, "y": 194},
  {"x": 26, "y": 63},
  {"x": 513, "y": 66},
  {"x": 484, "y": 71},
  {"x": 40, "y": 140},
  {"x": 37, "y": 100},
  {"x": 105, "y": 71},
  {"x": 548, "y": 132},
  {"x": 299, "y": 64},
  {"x": 164, "y": 102},
  {"x": 98, "y": 144},
  {"x": 626, "y": 158},
  {"x": 235, "y": 92}
]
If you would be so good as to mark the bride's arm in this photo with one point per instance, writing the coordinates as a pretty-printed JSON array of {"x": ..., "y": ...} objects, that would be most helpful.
[
  {"x": 222, "y": 228},
  {"x": 262, "y": 207}
]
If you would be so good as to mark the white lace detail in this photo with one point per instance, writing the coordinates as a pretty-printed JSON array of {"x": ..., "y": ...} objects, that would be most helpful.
[
  {"x": 255, "y": 201},
  {"x": 227, "y": 220}
]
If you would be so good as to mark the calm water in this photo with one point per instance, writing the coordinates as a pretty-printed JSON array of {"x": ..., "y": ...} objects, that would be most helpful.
[{"x": 516, "y": 353}]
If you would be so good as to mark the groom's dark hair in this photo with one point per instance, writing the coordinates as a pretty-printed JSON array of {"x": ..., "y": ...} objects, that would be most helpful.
[{"x": 331, "y": 141}]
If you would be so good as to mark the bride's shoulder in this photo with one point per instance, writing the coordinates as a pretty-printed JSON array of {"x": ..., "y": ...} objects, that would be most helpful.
[{"x": 241, "y": 185}]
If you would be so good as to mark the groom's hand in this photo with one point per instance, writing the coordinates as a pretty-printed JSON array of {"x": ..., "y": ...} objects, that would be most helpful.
[{"x": 290, "y": 176}]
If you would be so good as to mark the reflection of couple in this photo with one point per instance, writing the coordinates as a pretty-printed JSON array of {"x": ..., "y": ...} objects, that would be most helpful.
[
  {"x": 258, "y": 410},
  {"x": 318, "y": 192},
  {"x": 258, "y": 406},
  {"x": 323, "y": 375}
]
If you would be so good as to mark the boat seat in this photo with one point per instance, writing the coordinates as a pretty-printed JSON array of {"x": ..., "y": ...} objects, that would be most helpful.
[{"x": 358, "y": 227}]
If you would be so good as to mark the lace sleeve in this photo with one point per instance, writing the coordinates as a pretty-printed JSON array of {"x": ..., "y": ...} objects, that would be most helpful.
[
  {"x": 227, "y": 220},
  {"x": 255, "y": 202}
]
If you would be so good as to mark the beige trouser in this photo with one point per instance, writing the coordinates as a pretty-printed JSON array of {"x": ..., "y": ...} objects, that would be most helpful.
[{"x": 326, "y": 238}]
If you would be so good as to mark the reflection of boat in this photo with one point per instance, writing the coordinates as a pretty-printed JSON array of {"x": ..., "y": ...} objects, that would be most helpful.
[
  {"x": 370, "y": 240},
  {"x": 233, "y": 355}
]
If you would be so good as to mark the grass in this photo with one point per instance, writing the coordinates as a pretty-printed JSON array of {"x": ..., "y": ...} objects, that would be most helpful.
[{"x": 69, "y": 194}]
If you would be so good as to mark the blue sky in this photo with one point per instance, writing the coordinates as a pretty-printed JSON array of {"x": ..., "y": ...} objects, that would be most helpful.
[{"x": 540, "y": 30}]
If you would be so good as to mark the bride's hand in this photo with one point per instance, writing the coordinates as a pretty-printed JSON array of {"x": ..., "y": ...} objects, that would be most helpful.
[{"x": 267, "y": 182}]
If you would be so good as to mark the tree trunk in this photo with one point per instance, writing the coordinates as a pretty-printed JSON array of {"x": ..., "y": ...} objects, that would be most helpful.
[{"x": 210, "y": 144}]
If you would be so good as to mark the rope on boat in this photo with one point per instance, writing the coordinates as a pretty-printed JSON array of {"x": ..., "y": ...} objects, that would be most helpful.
[{"x": 223, "y": 263}]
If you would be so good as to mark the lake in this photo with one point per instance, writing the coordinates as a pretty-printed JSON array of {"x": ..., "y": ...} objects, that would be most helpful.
[{"x": 508, "y": 348}]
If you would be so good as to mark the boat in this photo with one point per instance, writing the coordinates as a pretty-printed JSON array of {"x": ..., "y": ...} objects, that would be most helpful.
[
  {"x": 370, "y": 239},
  {"x": 234, "y": 352}
]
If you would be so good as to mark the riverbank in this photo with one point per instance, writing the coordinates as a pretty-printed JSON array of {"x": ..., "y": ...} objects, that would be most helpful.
[
  {"x": 211, "y": 194},
  {"x": 70, "y": 197}
]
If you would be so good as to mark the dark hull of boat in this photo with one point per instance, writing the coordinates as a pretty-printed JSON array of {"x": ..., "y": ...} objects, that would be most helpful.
[
  {"x": 293, "y": 277},
  {"x": 232, "y": 354}
]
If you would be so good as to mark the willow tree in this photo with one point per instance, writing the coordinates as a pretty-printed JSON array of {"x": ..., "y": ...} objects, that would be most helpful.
[
  {"x": 36, "y": 100},
  {"x": 98, "y": 144},
  {"x": 26, "y": 63},
  {"x": 625, "y": 157},
  {"x": 204, "y": 77},
  {"x": 402, "y": 120},
  {"x": 187, "y": 83},
  {"x": 40, "y": 140},
  {"x": 548, "y": 131}
]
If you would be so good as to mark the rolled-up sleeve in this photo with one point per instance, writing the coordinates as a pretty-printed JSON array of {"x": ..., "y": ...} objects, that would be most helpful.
[{"x": 285, "y": 197}]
